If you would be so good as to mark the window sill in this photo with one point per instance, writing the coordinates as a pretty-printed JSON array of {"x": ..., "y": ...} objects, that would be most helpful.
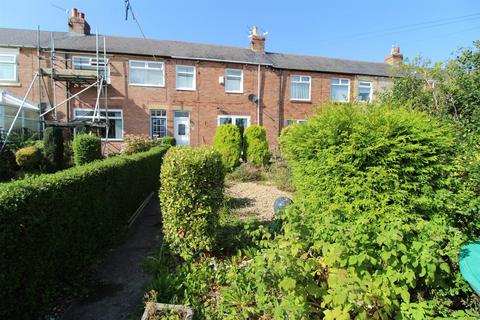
[
  {"x": 301, "y": 100},
  {"x": 10, "y": 84},
  {"x": 185, "y": 89},
  {"x": 146, "y": 85},
  {"x": 234, "y": 92}
]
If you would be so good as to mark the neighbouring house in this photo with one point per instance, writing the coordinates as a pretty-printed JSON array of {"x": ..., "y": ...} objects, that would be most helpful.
[{"x": 175, "y": 88}]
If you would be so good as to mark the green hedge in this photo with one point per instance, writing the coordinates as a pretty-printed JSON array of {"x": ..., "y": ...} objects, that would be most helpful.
[
  {"x": 256, "y": 145},
  {"x": 191, "y": 194},
  {"x": 28, "y": 157},
  {"x": 228, "y": 141},
  {"x": 86, "y": 148},
  {"x": 53, "y": 226},
  {"x": 379, "y": 202},
  {"x": 168, "y": 141},
  {"x": 53, "y": 149}
]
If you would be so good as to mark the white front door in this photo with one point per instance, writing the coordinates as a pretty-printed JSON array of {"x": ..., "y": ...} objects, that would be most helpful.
[{"x": 181, "y": 130}]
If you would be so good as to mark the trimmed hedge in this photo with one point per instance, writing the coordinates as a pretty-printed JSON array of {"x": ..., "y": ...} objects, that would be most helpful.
[
  {"x": 256, "y": 145},
  {"x": 86, "y": 148},
  {"x": 53, "y": 149},
  {"x": 55, "y": 225},
  {"x": 168, "y": 141},
  {"x": 191, "y": 194},
  {"x": 228, "y": 141},
  {"x": 29, "y": 157}
]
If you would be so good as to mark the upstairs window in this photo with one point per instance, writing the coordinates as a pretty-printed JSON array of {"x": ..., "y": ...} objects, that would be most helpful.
[
  {"x": 340, "y": 90},
  {"x": 300, "y": 88},
  {"x": 91, "y": 63},
  {"x": 364, "y": 91},
  {"x": 234, "y": 80},
  {"x": 185, "y": 77},
  {"x": 146, "y": 73},
  {"x": 294, "y": 121},
  {"x": 8, "y": 67}
]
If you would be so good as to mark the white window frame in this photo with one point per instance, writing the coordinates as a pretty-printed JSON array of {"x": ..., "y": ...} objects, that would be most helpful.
[
  {"x": 234, "y": 118},
  {"x": 241, "y": 80},
  {"x": 158, "y": 117},
  {"x": 93, "y": 65},
  {"x": 146, "y": 68},
  {"x": 101, "y": 117},
  {"x": 340, "y": 84},
  {"x": 363, "y": 86},
  {"x": 295, "y": 121},
  {"x": 15, "y": 69},
  {"x": 194, "y": 78},
  {"x": 300, "y": 81}
]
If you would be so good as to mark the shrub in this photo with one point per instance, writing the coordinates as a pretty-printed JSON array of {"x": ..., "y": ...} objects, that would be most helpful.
[
  {"x": 256, "y": 145},
  {"x": 191, "y": 194},
  {"x": 8, "y": 164},
  {"x": 245, "y": 172},
  {"x": 53, "y": 148},
  {"x": 86, "y": 148},
  {"x": 55, "y": 225},
  {"x": 168, "y": 141},
  {"x": 281, "y": 175},
  {"x": 28, "y": 157},
  {"x": 228, "y": 141},
  {"x": 137, "y": 143},
  {"x": 377, "y": 201}
]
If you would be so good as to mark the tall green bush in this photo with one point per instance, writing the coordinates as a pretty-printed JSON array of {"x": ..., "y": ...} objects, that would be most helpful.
[
  {"x": 86, "y": 148},
  {"x": 8, "y": 164},
  {"x": 378, "y": 203},
  {"x": 191, "y": 194},
  {"x": 53, "y": 148},
  {"x": 55, "y": 225},
  {"x": 256, "y": 145},
  {"x": 228, "y": 141}
]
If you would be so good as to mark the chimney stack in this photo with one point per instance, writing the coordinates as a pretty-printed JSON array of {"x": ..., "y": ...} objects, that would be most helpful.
[
  {"x": 77, "y": 23},
  {"x": 257, "y": 41},
  {"x": 395, "y": 57}
]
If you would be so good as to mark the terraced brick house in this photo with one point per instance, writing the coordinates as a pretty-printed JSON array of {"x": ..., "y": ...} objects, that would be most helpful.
[{"x": 172, "y": 88}]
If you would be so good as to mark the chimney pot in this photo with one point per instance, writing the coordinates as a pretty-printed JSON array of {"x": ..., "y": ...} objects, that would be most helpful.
[
  {"x": 77, "y": 23},
  {"x": 395, "y": 57},
  {"x": 257, "y": 41}
]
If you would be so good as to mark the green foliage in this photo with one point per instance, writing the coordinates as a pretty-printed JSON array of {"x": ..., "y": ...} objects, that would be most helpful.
[
  {"x": 378, "y": 202},
  {"x": 86, "y": 148},
  {"x": 168, "y": 141},
  {"x": 8, "y": 165},
  {"x": 449, "y": 89},
  {"x": 245, "y": 172},
  {"x": 256, "y": 145},
  {"x": 53, "y": 148},
  {"x": 281, "y": 175},
  {"x": 191, "y": 194},
  {"x": 28, "y": 157},
  {"x": 228, "y": 141},
  {"x": 138, "y": 143},
  {"x": 55, "y": 225}
]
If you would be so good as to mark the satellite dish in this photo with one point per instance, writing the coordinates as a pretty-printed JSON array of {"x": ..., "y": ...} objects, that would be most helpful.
[{"x": 252, "y": 97}]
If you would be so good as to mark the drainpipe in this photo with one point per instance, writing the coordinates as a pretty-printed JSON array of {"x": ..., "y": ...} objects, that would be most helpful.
[{"x": 258, "y": 95}]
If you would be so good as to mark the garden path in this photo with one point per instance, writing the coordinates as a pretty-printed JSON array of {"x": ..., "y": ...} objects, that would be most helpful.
[{"x": 120, "y": 278}]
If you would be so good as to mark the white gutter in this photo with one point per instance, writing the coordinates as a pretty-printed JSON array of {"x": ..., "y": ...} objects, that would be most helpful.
[{"x": 221, "y": 60}]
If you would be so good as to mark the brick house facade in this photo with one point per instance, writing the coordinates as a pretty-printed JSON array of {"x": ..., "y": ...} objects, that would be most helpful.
[{"x": 268, "y": 76}]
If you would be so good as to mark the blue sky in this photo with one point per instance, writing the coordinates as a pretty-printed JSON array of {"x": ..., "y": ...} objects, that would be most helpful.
[{"x": 351, "y": 29}]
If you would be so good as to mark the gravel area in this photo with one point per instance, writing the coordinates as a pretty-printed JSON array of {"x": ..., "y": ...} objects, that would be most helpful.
[{"x": 250, "y": 199}]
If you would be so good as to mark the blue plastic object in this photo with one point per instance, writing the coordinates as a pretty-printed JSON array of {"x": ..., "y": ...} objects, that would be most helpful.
[
  {"x": 470, "y": 264},
  {"x": 280, "y": 204}
]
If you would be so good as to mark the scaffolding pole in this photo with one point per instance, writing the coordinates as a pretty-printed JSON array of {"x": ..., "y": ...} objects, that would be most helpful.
[{"x": 19, "y": 111}]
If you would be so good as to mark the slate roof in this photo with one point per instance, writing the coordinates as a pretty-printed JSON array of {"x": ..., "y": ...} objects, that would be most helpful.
[{"x": 197, "y": 51}]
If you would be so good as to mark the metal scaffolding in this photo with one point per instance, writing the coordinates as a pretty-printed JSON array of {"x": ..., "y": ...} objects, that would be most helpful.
[{"x": 61, "y": 71}]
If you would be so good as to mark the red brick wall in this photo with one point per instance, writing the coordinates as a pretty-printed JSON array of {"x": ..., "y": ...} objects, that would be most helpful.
[{"x": 204, "y": 104}]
